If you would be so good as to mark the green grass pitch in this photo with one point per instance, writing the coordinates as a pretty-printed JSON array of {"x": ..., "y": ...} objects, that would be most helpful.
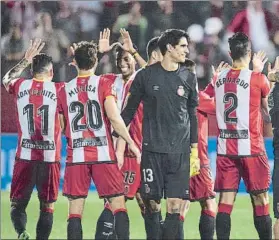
[{"x": 242, "y": 219}]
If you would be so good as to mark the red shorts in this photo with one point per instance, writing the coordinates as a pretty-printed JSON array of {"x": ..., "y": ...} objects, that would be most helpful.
[
  {"x": 107, "y": 178},
  {"x": 131, "y": 171},
  {"x": 28, "y": 174},
  {"x": 202, "y": 185},
  {"x": 255, "y": 172}
]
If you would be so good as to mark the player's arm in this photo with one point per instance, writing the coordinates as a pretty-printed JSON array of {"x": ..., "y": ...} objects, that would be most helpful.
[
  {"x": 13, "y": 74},
  {"x": 206, "y": 103},
  {"x": 192, "y": 110},
  {"x": 62, "y": 122},
  {"x": 135, "y": 96},
  {"x": 119, "y": 125}
]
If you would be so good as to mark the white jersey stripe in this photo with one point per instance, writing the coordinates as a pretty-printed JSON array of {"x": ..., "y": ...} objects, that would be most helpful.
[
  {"x": 50, "y": 154},
  {"x": 220, "y": 107},
  {"x": 23, "y": 119},
  {"x": 103, "y": 151},
  {"x": 78, "y": 153},
  {"x": 242, "y": 111},
  {"x": 119, "y": 88}
]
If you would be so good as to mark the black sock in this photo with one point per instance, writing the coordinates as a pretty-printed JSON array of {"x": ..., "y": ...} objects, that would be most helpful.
[
  {"x": 223, "y": 226},
  {"x": 263, "y": 224},
  {"x": 74, "y": 228},
  {"x": 44, "y": 225},
  {"x": 180, "y": 232},
  {"x": 147, "y": 225},
  {"x": 105, "y": 225},
  {"x": 19, "y": 218},
  {"x": 171, "y": 226},
  {"x": 122, "y": 225},
  {"x": 206, "y": 226}
]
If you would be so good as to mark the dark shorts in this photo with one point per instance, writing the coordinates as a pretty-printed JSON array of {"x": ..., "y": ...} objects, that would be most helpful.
[
  {"x": 28, "y": 174},
  {"x": 202, "y": 185},
  {"x": 165, "y": 175},
  {"x": 255, "y": 172},
  {"x": 131, "y": 171},
  {"x": 107, "y": 178}
]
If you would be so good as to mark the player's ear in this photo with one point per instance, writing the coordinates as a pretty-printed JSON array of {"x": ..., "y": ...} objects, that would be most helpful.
[
  {"x": 169, "y": 47},
  {"x": 230, "y": 53}
]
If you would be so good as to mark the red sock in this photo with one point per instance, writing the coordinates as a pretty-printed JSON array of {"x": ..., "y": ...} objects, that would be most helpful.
[
  {"x": 261, "y": 210},
  {"x": 225, "y": 208},
  {"x": 209, "y": 213}
]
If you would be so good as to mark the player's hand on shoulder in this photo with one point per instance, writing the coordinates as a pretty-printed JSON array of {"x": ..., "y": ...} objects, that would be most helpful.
[
  {"x": 273, "y": 73},
  {"x": 259, "y": 60},
  {"x": 35, "y": 47}
]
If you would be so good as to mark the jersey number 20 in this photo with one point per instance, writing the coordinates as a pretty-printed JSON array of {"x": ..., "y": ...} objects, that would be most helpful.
[{"x": 93, "y": 115}]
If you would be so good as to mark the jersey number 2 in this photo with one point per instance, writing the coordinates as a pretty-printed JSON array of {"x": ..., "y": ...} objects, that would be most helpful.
[
  {"x": 42, "y": 111},
  {"x": 230, "y": 98},
  {"x": 93, "y": 115}
]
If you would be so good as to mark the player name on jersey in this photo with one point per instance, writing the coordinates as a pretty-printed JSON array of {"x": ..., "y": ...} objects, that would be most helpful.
[
  {"x": 237, "y": 81},
  {"x": 37, "y": 92},
  {"x": 86, "y": 88}
]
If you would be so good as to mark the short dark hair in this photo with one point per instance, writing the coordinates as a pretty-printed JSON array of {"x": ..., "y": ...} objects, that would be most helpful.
[
  {"x": 239, "y": 45},
  {"x": 172, "y": 37},
  {"x": 189, "y": 64},
  {"x": 40, "y": 63},
  {"x": 86, "y": 54},
  {"x": 119, "y": 51},
  {"x": 152, "y": 45}
]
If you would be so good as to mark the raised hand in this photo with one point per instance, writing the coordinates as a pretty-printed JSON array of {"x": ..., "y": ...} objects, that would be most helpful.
[
  {"x": 222, "y": 66},
  {"x": 259, "y": 60},
  {"x": 127, "y": 41},
  {"x": 273, "y": 73},
  {"x": 104, "y": 39},
  {"x": 34, "y": 49}
]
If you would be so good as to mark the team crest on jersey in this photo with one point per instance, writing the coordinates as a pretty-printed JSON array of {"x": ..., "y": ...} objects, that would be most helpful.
[{"x": 180, "y": 91}]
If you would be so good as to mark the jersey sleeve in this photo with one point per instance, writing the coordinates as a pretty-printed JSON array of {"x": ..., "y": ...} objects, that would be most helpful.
[
  {"x": 209, "y": 90},
  {"x": 206, "y": 103},
  {"x": 13, "y": 85},
  {"x": 264, "y": 85},
  {"x": 107, "y": 87}
]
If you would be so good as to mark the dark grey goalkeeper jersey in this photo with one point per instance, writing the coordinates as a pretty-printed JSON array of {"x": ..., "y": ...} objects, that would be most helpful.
[{"x": 169, "y": 101}]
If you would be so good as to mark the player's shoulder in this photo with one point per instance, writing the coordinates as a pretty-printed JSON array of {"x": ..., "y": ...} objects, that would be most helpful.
[
  {"x": 258, "y": 78},
  {"x": 108, "y": 77}
]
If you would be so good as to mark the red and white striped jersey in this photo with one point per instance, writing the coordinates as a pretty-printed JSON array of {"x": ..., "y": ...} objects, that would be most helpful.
[
  {"x": 39, "y": 131},
  {"x": 206, "y": 107},
  {"x": 238, "y": 95},
  {"x": 136, "y": 124},
  {"x": 81, "y": 102}
]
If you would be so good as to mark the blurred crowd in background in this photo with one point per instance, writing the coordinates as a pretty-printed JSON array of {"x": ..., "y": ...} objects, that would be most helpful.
[{"x": 209, "y": 24}]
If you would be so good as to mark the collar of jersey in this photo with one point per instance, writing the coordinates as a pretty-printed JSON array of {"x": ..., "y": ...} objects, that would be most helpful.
[
  {"x": 38, "y": 80},
  {"x": 87, "y": 75},
  {"x": 241, "y": 68}
]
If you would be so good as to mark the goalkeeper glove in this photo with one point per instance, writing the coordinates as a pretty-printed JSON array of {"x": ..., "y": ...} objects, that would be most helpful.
[{"x": 194, "y": 162}]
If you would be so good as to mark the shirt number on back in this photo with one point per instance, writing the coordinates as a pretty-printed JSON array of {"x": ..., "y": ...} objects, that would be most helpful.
[
  {"x": 42, "y": 111},
  {"x": 91, "y": 109},
  {"x": 232, "y": 100}
]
